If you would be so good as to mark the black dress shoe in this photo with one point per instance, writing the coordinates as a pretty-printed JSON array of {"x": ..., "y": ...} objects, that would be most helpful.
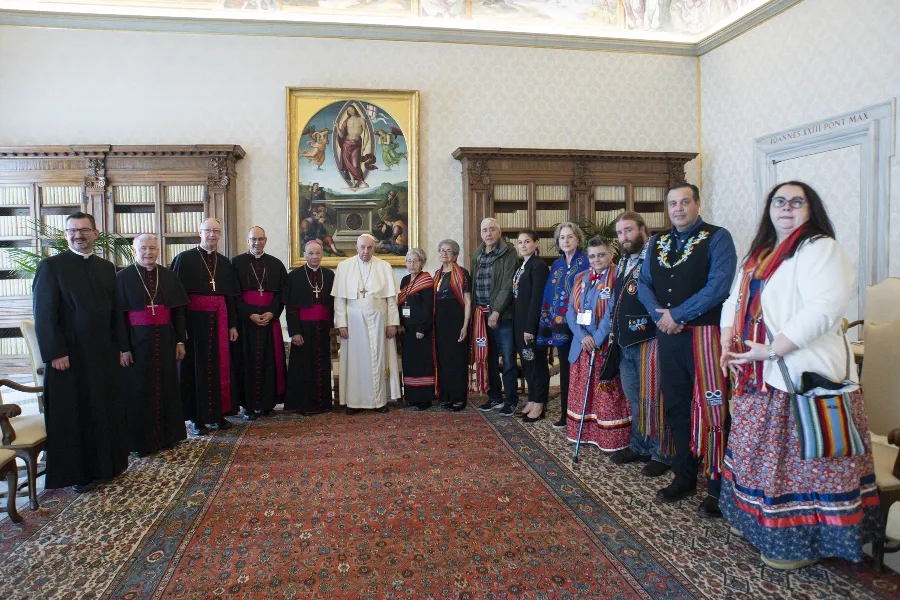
[
  {"x": 252, "y": 416},
  {"x": 420, "y": 407},
  {"x": 223, "y": 425},
  {"x": 674, "y": 493},
  {"x": 82, "y": 488},
  {"x": 458, "y": 407},
  {"x": 627, "y": 456},
  {"x": 201, "y": 430},
  {"x": 383, "y": 409},
  {"x": 268, "y": 412},
  {"x": 654, "y": 468},
  {"x": 527, "y": 419},
  {"x": 709, "y": 508},
  {"x": 561, "y": 424},
  {"x": 352, "y": 411}
]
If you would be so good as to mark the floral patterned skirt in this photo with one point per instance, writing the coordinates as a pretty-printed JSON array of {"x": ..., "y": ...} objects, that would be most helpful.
[
  {"x": 788, "y": 507},
  {"x": 607, "y": 418}
]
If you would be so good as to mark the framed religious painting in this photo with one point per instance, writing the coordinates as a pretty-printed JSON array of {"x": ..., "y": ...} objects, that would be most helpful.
[{"x": 353, "y": 158}]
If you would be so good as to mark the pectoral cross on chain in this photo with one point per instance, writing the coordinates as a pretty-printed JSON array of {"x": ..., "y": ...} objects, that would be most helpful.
[
  {"x": 212, "y": 284},
  {"x": 152, "y": 307},
  {"x": 316, "y": 291},
  {"x": 363, "y": 292},
  {"x": 260, "y": 289}
]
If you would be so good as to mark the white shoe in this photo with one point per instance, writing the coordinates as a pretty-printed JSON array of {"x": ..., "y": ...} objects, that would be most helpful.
[{"x": 786, "y": 565}]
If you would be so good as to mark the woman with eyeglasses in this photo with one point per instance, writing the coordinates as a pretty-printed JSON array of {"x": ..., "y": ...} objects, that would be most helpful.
[
  {"x": 416, "y": 304},
  {"x": 786, "y": 303},
  {"x": 452, "y": 313},
  {"x": 528, "y": 289},
  {"x": 600, "y": 402},
  {"x": 553, "y": 330}
]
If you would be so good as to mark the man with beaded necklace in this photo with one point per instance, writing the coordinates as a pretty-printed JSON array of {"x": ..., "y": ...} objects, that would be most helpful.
[{"x": 683, "y": 283}]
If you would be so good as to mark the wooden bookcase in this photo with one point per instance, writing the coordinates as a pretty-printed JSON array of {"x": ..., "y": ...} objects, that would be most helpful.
[
  {"x": 536, "y": 188},
  {"x": 167, "y": 190}
]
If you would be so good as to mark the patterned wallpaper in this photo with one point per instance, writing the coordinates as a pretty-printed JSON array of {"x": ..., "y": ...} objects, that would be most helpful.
[
  {"x": 819, "y": 58},
  {"x": 159, "y": 88}
]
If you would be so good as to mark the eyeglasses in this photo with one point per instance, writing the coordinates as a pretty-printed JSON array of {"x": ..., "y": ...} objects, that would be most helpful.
[
  {"x": 215, "y": 231},
  {"x": 82, "y": 231},
  {"x": 262, "y": 239},
  {"x": 795, "y": 202},
  {"x": 598, "y": 255}
]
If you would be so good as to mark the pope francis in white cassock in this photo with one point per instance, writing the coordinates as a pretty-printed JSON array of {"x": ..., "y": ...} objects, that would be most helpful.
[{"x": 365, "y": 311}]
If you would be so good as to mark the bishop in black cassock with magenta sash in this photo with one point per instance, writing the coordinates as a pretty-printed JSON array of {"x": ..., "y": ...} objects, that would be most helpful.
[
  {"x": 206, "y": 373},
  {"x": 80, "y": 333},
  {"x": 259, "y": 352},
  {"x": 310, "y": 316},
  {"x": 154, "y": 302}
]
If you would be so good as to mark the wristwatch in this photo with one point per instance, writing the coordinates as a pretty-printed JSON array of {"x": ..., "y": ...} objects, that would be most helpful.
[{"x": 772, "y": 355}]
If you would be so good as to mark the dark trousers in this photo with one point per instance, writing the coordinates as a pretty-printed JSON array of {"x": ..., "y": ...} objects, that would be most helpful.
[
  {"x": 537, "y": 375},
  {"x": 500, "y": 343},
  {"x": 562, "y": 354},
  {"x": 676, "y": 362}
]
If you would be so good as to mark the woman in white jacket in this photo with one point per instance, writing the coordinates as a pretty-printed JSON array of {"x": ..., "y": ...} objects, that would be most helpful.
[{"x": 787, "y": 301}]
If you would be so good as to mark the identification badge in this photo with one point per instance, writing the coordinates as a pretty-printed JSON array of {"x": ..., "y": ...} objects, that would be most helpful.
[
  {"x": 585, "y": 317},
  {"x": 405, "y": 311}
]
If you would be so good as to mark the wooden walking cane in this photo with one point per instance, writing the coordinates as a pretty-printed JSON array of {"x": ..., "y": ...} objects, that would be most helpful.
[{"x": 587, "y": 392}]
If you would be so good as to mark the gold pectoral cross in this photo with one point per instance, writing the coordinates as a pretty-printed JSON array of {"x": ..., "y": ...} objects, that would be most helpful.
[
  {"x": 260, "y": 290},
  {"x": 152, "y": 307},
  {"x": 316, "y": 291},
  {"x": 212, "y": 284}
]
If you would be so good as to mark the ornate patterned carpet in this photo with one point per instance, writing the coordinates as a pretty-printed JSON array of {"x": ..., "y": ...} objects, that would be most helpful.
[{"x": 402, "y": 505}]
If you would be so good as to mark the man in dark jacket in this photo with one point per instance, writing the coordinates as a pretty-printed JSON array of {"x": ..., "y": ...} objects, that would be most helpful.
[{"x": 493, "y": 266}]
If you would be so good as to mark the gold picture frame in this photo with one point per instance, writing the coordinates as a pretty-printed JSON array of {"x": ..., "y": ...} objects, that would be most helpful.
[{"x": 353, "y": 168}]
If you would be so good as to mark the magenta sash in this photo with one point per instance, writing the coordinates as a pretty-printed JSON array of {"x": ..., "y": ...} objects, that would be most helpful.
[
  {"x": 217, "y": 305},
  {"x": 255, "y": 298},
  {"x": 146, "y": 316},
  {"x": 318, "y": 312}
]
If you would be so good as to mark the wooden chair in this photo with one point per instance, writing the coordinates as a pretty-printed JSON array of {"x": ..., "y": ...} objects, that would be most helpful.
[
  {"x": 881, "y": 391},
  {"x": 37, "y": 363},
  {"x": 10, "y": 472},
  {"x": 25, "y": 436}
]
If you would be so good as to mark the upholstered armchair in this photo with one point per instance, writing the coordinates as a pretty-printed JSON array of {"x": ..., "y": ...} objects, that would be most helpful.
[
  {"x": 25, "y": 436},
  {"x": 10, "y": 471}
]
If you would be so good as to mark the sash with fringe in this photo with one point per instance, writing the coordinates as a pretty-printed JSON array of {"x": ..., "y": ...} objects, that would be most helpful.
[
  {"x": 710, "y": 401},
  {"x": 748, "y": 322},
  {"x": 457, "y": 284},
  {"x": 480, "y": 349},
  {"x": 422, "y": 281},
  {"x": 651, "y": 411}
]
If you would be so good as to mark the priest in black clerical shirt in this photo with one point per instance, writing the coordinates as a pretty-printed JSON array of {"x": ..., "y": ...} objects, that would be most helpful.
[
  {"x": 153, "y": 301},
  {"x": 310, "y": 317},
  {"x": 259, "y": 353},
  {"x": 207, "y": 390},
  {"x": 81, "y": 335}
]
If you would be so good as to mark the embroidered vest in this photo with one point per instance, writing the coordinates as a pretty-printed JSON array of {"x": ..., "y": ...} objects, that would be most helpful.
[
  {"x": 631, "y": 323},
  {"x": 679, "y": 274}
]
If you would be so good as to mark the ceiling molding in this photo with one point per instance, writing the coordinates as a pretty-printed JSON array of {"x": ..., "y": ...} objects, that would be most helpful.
[
  {"x": 743, "y": 25},
  {"x": 354, "y": 31}
]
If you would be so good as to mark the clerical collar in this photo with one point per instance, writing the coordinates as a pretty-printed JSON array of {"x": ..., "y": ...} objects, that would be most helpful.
[
  {"x": 255, "y": 256},
  {"x": 314, "y": 269},
  {"x": 145, "y": 268},
  {"x": 81, "y": 254},
  {"x": 207, "y": 251}
]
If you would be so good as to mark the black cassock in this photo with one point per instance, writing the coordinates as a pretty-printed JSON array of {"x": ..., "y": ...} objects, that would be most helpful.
[
  {"x": 311, "y": 315},
  {"x": 153, "y": 401},
  {"x": 207, "y": 380},
  {"x": 259, "y": 352},
  {"x": 76, "y": 314}
]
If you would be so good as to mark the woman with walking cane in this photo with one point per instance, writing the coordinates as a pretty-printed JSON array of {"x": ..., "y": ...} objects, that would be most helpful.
[{"x": 598, "y": 412}]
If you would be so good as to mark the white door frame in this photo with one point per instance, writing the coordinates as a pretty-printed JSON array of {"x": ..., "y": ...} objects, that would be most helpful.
[{"x": 872, "y": 129}]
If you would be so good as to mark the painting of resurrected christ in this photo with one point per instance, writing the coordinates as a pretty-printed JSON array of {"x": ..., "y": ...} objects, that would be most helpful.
[{"x": 352, "y": 173}]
